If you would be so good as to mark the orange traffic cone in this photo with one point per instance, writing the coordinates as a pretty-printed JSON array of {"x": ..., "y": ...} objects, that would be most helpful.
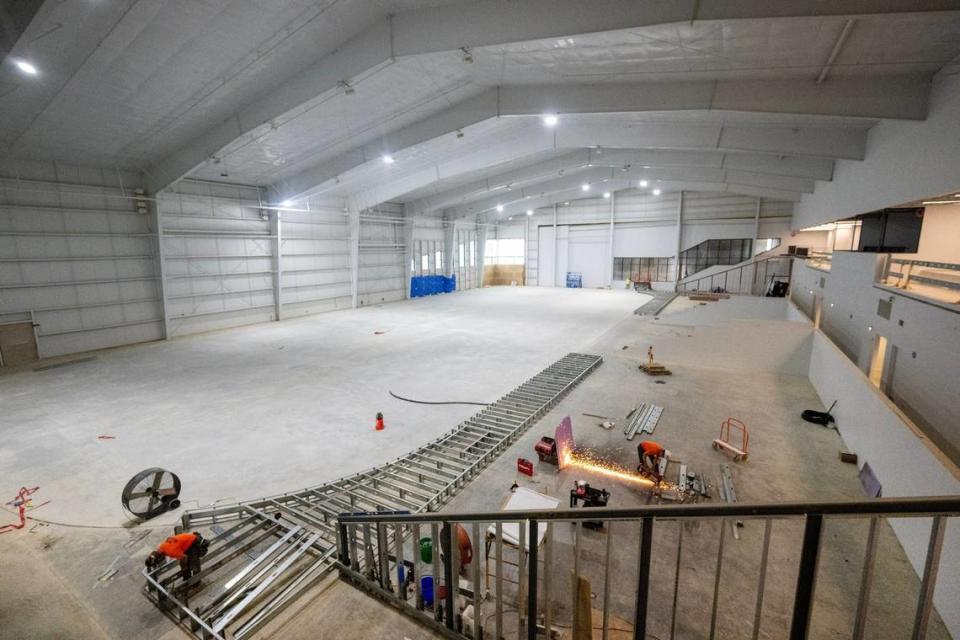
[{"x": 379, "y": 426}]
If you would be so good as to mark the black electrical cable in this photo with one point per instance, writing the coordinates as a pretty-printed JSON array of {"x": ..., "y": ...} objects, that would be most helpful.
[{"x": 482, "y": 404}]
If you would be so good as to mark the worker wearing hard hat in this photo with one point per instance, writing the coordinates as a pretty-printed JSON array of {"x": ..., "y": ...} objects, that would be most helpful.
[{"x": 651, "y": 454}]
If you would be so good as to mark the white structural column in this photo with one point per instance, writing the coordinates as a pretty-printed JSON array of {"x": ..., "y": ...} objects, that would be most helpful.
[
  {"x": 354, "y": 215},
  {"x": 556, "y": 244},
  {"x": 676, "y": 275},
  {"x": 277, "y": 241},
  {"x": 408, "y": 232},
  {"x": 481, "y": 235},
  {"x": 161, "y": 265},
  {"x": 449, "y": 247},
  {"x": 613, "y": 204}
]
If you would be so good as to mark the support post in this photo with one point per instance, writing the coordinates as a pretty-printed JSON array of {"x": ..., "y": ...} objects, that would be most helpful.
[
  {"x": 161, "y": 266},
  {"x": 613, "y": 200},
  {"x": 532, "y": 583},
  {"x": 928, "y": 585},
  {"x": 676, "y": 275},
  {"x": 446, "y": 531},
  {"x": 408, "y": 231},
  {"x": 643, "y": 580},
  {"x": 806, "y": 577},
  {"x": 556, "y": 245},
  {"x": 481, "y": 235},
  {"x": 354, "y": 254},
  {"x": 275, "y": 230}
]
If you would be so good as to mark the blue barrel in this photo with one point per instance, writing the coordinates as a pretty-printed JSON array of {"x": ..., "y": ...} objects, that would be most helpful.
[{"x": 426, "y": 590}]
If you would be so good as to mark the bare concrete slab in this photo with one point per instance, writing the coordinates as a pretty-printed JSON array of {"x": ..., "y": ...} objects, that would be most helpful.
[{"x": 264, "y": 409}]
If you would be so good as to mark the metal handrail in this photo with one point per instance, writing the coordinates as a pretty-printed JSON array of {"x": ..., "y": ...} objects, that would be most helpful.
[
  {"x": 924, "y": 506},
  {"x": 370, "y": 568},
  {"x": 753, "y": 263}
]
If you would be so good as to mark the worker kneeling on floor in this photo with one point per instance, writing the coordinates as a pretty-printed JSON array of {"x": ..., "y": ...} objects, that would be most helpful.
[
  {"x": 188, "y": 548},
  {"x": 651, "y": 456}
]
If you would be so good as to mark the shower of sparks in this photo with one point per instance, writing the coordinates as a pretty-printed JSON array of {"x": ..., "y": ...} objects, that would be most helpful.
[{"x": 588, "y": 462}]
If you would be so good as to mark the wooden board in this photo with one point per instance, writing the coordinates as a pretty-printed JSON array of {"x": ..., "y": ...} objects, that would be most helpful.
[
  {"x": 503, "y": 275},
  {"x": 655, "y": 369},
  {"x": 18, "y": 345}
]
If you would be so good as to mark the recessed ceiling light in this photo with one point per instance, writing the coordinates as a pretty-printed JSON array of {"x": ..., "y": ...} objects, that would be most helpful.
[
  {"x": 26, "y": 67},
  {"x": 499, "y": 208},
  {"x": 606, "y": 194},
  {"x": 656, "y": 192},
  {"x": 585, "y": 187},
  {"x": 550, "y": 120},
  {"x": 529, "y": 212},
  {"x": 643, "y": 183},
  {"x": 388, "y": 159},
  {"x": 510, "y": 218}
]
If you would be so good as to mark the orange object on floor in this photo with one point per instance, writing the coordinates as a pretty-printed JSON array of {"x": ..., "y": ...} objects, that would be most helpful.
[
  {"x": 723, "y": 442},
  {"x": 380, "y": 425}
]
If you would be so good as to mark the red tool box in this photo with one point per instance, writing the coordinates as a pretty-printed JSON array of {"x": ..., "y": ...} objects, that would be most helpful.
[{"x": 525, "y": 466}]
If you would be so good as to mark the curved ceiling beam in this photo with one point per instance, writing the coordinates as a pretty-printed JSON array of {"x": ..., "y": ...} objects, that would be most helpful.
[
  {"x": 478, "y": 24},
  {"x": 640, "y": 160}
]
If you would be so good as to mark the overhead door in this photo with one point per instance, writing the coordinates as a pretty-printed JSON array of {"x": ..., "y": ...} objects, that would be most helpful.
[{"x": 588, "y": 253}]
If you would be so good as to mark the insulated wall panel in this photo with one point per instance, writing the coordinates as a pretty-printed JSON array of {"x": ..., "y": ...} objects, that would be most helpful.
[
  {"x": 315, "y": 259},
  {"x": 78, "y": 252},
  {"x": 382, "y": 273}
]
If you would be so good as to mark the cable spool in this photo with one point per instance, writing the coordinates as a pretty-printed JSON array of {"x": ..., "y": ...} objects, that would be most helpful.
[{"x": 151, "y": 492}]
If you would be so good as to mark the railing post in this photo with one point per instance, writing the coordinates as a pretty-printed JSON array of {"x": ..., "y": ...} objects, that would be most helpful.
[
  {"x": 930, "y": 569},
  {"x": 643, "y": 579},
  {"x": 344, "y": 543},
  {"x": 532, "y": 583},
  {"x": 446, "y": 531},
  {"x": 806, "y": 577}
]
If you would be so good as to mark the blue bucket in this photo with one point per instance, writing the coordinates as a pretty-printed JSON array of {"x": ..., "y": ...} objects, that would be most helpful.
[{"x": 426, "y": 590}]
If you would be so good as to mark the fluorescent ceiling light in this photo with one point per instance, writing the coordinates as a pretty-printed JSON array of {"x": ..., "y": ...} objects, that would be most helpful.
[
  {"x": 585, "y": 187},
  {"x": 387, "y": 158},
  {"x": 606, "y": 194},
  {"x": 26, "y": 67},
  {"x": 643, "y": 183},
  {"x": 529, "y": 212},
  {"x": 550, "y": 120},
  {"x": 499, "y": 208},
  {"x": 656, "y": 192}
]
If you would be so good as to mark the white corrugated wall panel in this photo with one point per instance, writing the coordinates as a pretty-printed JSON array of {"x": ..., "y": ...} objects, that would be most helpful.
[
  {"x": 218, "y": 257},
  {"x": 382, "y": 272},
  {"x": 77, "y": 249},
  {"x": 315, "y": 249}
]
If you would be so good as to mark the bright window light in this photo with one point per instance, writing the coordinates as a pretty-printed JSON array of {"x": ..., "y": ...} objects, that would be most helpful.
[
  {"x": 26, "y": 67},
  {"x": 643, "y": 184},
  {"x": 606, "y": 194},
  {"x": 388, "y": 159},
  {"x": 550, "y": 120},
  {"x": 656, "y": 192},
  {"x": 585, "y": 187},
  {"x": 499, "y": 208},
  {"x": 529, "y": 212}
]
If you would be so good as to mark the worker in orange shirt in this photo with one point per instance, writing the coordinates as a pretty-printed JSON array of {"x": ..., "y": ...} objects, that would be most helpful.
[
  {"x": 188, "y": 548},
  {"x": 651, "y": 453}
]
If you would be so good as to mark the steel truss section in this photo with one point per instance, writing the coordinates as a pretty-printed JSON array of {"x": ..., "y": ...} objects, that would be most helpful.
[{"x": 277, "y": 547}]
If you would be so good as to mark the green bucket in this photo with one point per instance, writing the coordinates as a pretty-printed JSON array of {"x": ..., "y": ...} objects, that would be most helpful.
[{"x": 426, "y": 549}]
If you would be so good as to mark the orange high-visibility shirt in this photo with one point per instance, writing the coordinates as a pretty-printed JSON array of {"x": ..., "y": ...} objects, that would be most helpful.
[
  {"x": 176, "y": 546},
  {"x": 651, "y": 448}
]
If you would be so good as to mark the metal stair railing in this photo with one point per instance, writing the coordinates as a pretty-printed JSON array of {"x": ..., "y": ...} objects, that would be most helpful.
[
  {"x": 751, "y": 278},
  {"x": 389, "y": 567}
]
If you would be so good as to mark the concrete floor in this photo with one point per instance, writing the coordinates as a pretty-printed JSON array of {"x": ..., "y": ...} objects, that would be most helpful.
[{"x": 263, "y": 409}]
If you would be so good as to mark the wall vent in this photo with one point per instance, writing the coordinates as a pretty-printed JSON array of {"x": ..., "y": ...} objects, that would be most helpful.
[{"x": 883, "y": 309}]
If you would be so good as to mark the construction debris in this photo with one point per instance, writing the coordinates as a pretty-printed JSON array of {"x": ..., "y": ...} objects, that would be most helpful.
[
  {"x": 848, "y": 457},
  {"x": 729, "y": 494},
  {"x": 655, "y": 369},
  {"x": 595, "y": 415},
  {"x": 644, "y": 420}
]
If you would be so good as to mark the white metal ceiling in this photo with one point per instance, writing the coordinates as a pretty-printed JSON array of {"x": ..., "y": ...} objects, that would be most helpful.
[{"x": 130, "y": 82}]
